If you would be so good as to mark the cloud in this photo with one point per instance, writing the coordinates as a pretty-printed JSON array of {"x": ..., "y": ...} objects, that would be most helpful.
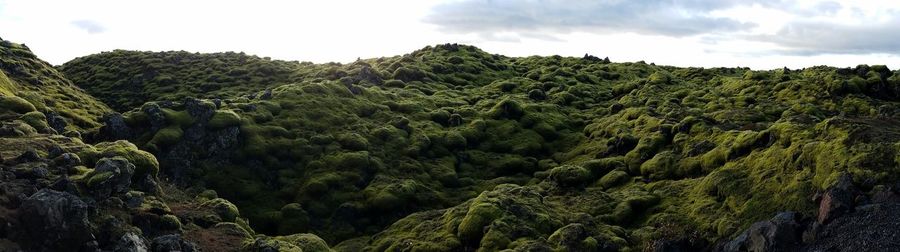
[
  {"x": 92, "y": 27},
  {"x": 648, "y": 17},
  {"x": 815, "y": 38}
]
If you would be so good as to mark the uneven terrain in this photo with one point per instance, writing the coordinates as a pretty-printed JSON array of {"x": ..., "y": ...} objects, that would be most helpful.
[{"x": 448, "y": 148}]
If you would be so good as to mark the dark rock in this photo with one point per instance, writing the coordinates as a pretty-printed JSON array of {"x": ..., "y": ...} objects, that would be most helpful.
[
  {"x": 267, "y": 94},
  {"x": 172, "y": 242},
  {"x": 31, "y": 171},
  {"x": 264, "y": 245},
  {"x": 66, "y": 160},
  {"x": 114, "y": 128},
  {"x": 56, "y": 121},
  {"x": 148, "y": 184},
  {"x": 28, "y": 156},
  {"x": 130, "y": 242},
  {"x": 199, "y": 110},
  {"x": 884, "y": 194},
  {"x": 54, "y": 151},
  {"x": 53, "y": 221},
  {"x": 838, "y": 199},
  {"x": 782, "y": 233},
  {"x": 155, "y": 116},
  {"x": 64, "y": 185},
  {"x": 455, "y": 120},
  {"x": 118, "y": 181}
]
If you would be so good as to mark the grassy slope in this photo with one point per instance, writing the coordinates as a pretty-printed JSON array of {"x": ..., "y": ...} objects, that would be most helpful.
[
  {"x": 128, "y": 79},
  {"x": 631, "y": 152},
  {"x": 25, "y": 76}
]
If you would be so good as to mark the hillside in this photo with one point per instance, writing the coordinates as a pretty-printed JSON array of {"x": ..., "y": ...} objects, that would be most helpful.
[
  {"x": 447, "y": 148},
  {"x": 452, "y": 148},
  {"x": 128, "y": 79},
  {"x": 25, "y": 77}
]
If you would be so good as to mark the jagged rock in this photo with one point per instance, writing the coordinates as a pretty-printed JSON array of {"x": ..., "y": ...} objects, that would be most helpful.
[
  {"x": 66, "y": 160},
  {"x": 31, "y": 171},
  {"x": 28, "y": 156},
  {"x": 838, "y": 199},
  {"x": 130, "y": 242},
  {"x": 199, "y": 110},
  {"x": 114, "y": 128},
  {"x": 155, "y": 116},
  {"x": 781, "y": 233},
  {"x": 171, "y": 242},
  {"x": 53, "y": 221},
  {"x": 54, "y": 151},
  {"x": 111, "y": 176},
  {"x": 56, "y": 121},
  {"x": 64, "y": 184},
  {"x": 147, "y": 184}
]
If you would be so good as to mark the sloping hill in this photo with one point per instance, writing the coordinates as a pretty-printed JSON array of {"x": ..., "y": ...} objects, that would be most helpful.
[
  {"x": 24, "y": 76},
  {"x": 417, "y": 151},
  {"x": 127, "y": 79}
]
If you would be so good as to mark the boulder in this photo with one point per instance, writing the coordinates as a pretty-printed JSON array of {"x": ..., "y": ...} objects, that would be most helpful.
[
  {"x": 57, "y": 122},
  {"x": 155, "y": 116},
  {"x": 28, "y": 156},
  {"x": 199, "y": 110},
  {"x": 111, "y": 176},
  {"x": 171, "y": 242},
  {"x": 53, "y": 221},
  {"x": 838, "y": 200},
  {"x": 130, "y": 242},
  {"x": 784, "y": 232},
  {"x": 114, "y": 128}
]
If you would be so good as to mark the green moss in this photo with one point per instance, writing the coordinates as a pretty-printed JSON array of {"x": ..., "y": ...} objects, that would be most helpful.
[
  {"x": 570, "y": 175},
  {"x": 507, "y": 108},
  {"x": 178, "y": 118},
  {"x": 471, "y": 228},
  {"x": 37, "y": 120},
  {"x": 93, "y": 179},
  {"x": 16, "y": 104},
  {"x": 224, "y": 119},
  {"x": 165, "y": 137},
  {"x": 353, "y": 141},
  {"x": 661, "y": 166},
  {"x": 613, "y": 179},
  {"x": 144, "y": 162},
  {"x": 306, "y": 242},
  {"x": 170, "y": 222},
  {"x": 223, "y": 208}
]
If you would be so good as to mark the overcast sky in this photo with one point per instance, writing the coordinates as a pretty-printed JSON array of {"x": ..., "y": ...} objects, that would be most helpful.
[{"x": 761, "y": 34}]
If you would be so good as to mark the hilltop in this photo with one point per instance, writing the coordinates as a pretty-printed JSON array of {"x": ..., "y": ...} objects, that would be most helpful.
[{"x": 450, "y": 148}]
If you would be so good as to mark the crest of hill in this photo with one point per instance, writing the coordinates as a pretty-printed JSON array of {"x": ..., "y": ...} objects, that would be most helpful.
[{"x": 128, "y": 79}]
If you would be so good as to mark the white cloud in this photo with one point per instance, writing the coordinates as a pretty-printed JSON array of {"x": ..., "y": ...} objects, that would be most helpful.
[{"x": 755, "y": 34}]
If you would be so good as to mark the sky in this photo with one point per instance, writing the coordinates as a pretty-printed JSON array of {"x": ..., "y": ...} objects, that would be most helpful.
[{"x": 761, "y": 34}]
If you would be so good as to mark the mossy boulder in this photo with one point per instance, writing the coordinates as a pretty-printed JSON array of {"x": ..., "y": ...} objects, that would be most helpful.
[
  {"x": 223, "y": 208},
  {"x": 223, "y": 119},
  {"x": 37, "y": 120},
  {"x": 144, "y": 162},
  {"x": 16, "y": 104},
  {"x": 613, "y": 179},
  {"x": 570, "y": 175}
]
